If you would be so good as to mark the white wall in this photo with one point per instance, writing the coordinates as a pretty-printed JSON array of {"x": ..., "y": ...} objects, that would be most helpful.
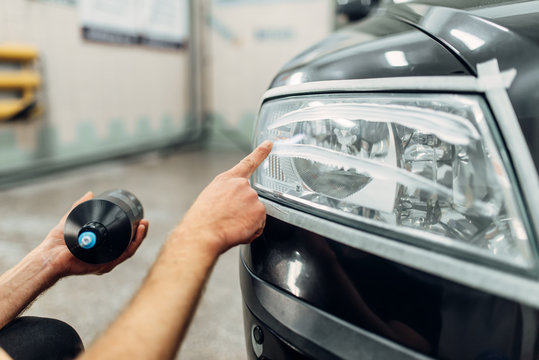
[
  {"x": 248, "y": 42},
  {"x": 105, "y": 96}
]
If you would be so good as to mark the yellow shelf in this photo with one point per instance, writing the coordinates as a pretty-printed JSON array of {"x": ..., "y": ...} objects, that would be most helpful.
[
  {"x": 17, "y": 52},
  {"x": 19, "y": 79}
]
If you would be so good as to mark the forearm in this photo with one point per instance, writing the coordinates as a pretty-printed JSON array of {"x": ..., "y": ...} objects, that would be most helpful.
[
  {"x": 156, "y": 320},
  {"x": 4, "y": 355},
  {"x": 23, "y": 283}
]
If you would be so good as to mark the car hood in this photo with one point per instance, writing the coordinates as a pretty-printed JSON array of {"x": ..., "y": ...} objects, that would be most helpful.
[
  {"x": 368, "y": 49},
  {"x": 419, "y": 38}
]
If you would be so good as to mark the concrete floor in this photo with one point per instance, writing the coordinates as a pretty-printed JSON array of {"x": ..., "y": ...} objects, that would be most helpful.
[{"x": 166, "y": 187}]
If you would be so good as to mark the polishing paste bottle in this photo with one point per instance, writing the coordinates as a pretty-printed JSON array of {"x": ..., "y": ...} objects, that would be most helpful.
[{"x": 100, "y": 230}]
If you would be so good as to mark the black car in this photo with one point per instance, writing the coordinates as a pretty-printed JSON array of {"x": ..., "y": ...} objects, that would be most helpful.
[{"x": 402, "y": 192}]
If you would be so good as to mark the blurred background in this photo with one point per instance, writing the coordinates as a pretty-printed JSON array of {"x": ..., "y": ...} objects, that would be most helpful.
[{"x": 153, "y": 96}]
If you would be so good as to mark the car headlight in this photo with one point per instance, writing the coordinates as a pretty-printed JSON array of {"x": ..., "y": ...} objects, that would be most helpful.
[{"x": 424, "y": 167}]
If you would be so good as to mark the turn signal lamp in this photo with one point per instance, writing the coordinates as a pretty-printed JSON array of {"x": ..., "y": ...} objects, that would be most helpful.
[{"x": 424, "y": 168}]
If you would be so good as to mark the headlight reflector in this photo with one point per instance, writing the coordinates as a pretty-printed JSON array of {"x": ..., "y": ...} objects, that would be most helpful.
[{"x": 425, "y": 166}]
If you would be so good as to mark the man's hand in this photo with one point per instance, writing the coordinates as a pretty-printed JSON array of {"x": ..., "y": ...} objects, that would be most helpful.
[
  {"x": 46, "y": 264},
  {"x": 54, "y": 249},
  {"x": 228, "y": 209}
]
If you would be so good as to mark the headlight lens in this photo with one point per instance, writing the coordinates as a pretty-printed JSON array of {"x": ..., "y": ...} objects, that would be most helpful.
[{"x": 425, "y": 166}]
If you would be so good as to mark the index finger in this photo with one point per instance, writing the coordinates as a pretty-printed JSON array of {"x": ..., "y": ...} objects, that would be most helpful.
[{"x": 249, "y": 163}]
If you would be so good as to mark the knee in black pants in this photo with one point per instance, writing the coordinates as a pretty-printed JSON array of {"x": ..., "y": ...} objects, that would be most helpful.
[{"x": 30, "y": 337}]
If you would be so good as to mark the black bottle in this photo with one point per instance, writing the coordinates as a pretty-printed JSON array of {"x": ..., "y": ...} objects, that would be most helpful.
[{"x": 100, "y": 230}]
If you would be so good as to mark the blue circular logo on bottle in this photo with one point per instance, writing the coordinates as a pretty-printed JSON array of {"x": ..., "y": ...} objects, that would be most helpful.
[{"x": 87, "y": 240}]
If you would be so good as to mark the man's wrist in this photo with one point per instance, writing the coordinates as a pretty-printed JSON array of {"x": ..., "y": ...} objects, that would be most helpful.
[
  {"x": 51, "y": 262},
  {"x": 197, "y": 241}
]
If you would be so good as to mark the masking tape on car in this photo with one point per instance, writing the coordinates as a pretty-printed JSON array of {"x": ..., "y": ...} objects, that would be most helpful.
[
  {"x": 488, "y": 79},
  {"x": 489, "y": 76}
]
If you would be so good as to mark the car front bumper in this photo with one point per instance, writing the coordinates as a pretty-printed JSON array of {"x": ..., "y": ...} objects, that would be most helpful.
[{"x": 309, "y": 332}]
